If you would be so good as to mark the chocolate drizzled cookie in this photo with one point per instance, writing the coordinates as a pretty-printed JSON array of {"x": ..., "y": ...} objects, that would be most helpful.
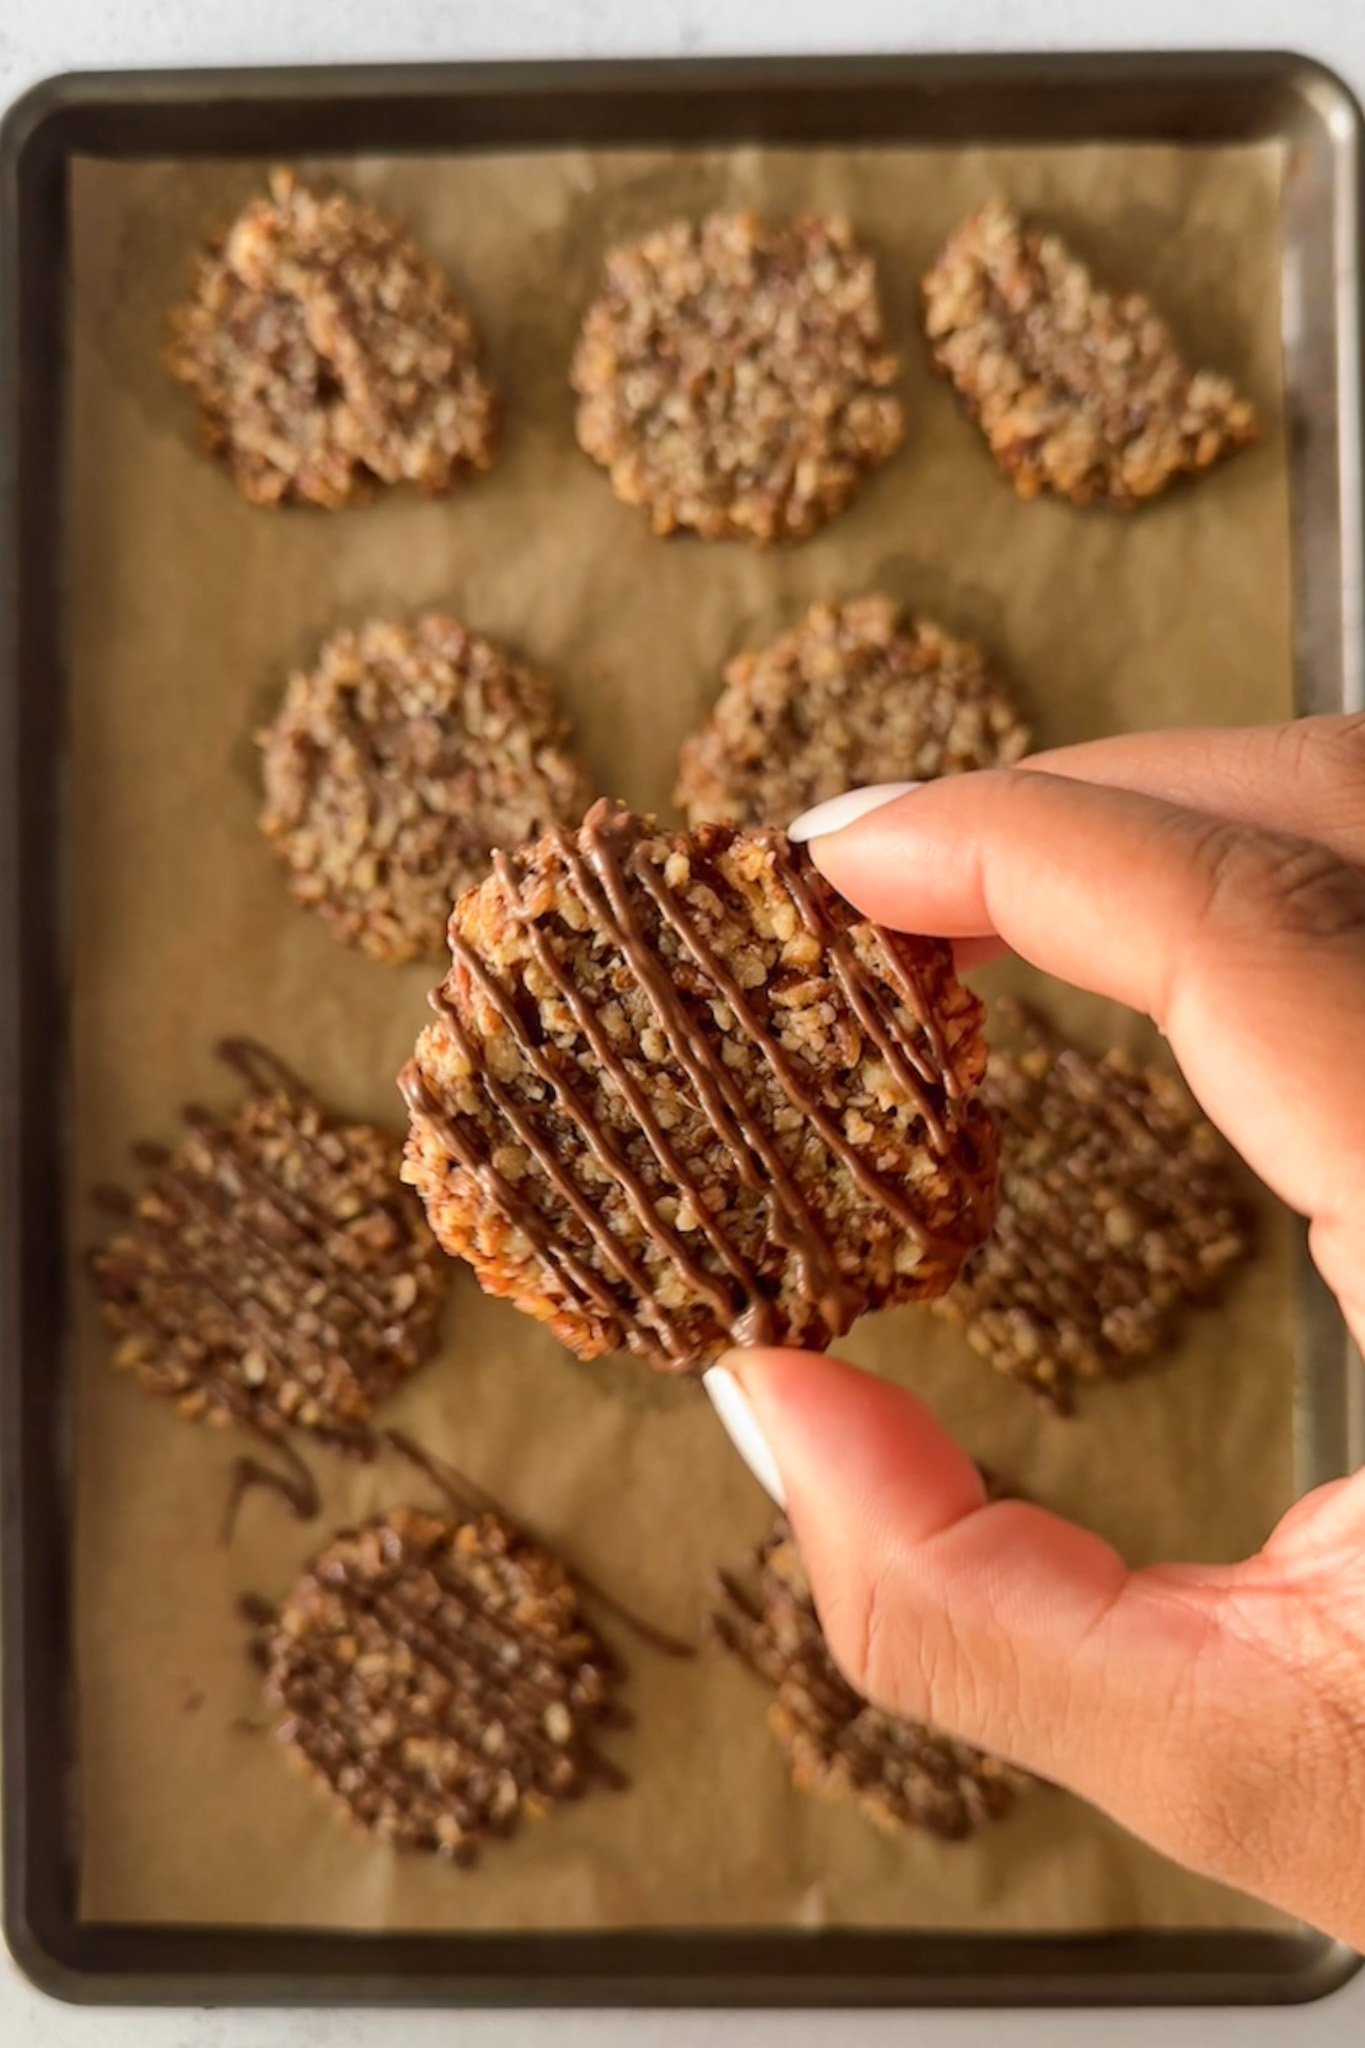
[
  {"x": 678, "y": 1095},
  {"x": 1078, "y": 390},
  {"x": 1117, "y": 1213},
  {"x": 439, "y": 1680},
  {"x": 328, "y": 355},
  {"x": 273, "y": 1272},
  {"x": 396, "y": 764},
  {"x": 734, "y": 377},
  {"x": 901, "y": 1773},
  {"x": 853, "y": 694}
]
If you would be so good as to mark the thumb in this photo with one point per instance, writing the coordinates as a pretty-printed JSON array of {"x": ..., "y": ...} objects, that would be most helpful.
[{"x": 1148, "y": 1692}]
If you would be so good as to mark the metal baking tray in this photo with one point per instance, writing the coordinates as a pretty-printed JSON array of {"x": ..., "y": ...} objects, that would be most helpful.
[{"x": 1167, "y": 98}]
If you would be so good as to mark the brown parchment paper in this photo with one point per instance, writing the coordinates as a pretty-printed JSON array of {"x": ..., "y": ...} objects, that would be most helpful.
[{"x": 188, "y": 607}]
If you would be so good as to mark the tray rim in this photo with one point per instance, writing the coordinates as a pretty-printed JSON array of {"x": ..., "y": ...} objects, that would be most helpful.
[{"x": 112, "y": 1963}]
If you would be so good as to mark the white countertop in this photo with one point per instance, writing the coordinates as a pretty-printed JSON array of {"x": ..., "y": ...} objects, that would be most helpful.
[{"x": 40, "y": 37}]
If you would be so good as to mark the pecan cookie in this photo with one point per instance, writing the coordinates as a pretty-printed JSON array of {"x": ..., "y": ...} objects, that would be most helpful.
[
  {"x": 274, "y": 1272},
  {"x": 396, "y": 764},
  {"x": 1117, "y": 1212},
  {"x": 1078, "y": 390},
  {"x": 677, "y": 1095},
  {"x": 852, "y": 695},
  {"x": 439, "y": 1680},
  {"x": 734, "y": 376},
  {"x": 900, "y": 1773},
  {"x": 328, "y": 355}
]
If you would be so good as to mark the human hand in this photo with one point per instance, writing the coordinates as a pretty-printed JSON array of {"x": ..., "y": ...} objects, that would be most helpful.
[{"x": 1215, "y": 881}]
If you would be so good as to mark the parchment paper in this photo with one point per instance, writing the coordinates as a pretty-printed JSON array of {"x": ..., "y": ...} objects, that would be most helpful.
[{"x": 188, "y": 607}]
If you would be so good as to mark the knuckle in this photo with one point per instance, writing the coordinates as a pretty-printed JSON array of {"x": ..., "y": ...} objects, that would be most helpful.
[
  {"x": 1325, "y": 757},
  {"x": 1335, "y": 744},
  {"x": 1316, "y": 895},
  {"x": 875, "y": 1645},
  {"x": 894, "y": 1657},
  {"x": 1268, "y": 882},
  {"x": 921, "y": 1665}
]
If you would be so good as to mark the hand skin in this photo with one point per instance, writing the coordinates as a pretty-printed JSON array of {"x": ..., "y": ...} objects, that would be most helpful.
[{"x": 1215, "y": 881}]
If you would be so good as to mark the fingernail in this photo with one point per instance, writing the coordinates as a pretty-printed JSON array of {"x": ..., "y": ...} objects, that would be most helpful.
[
  {"x": 736, "y": 1411},
  {"x": 838, "y": 811}
]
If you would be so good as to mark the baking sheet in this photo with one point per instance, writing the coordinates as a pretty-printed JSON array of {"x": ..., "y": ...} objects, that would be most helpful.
[{"x": 187, "y": 609}]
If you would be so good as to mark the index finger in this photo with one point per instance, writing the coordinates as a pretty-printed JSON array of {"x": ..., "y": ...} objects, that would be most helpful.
[{"x": 1246, "y": 947}]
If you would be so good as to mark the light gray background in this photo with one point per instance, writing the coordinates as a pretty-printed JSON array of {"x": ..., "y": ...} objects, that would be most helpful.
[{"x": 40, "y": 37}]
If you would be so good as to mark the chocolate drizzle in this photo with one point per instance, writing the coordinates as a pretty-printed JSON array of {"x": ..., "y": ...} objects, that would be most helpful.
[
  {"x": 467, "y": 1497},
  {"x": 439, "y": 1679},
  {"x": 901, "y": 1772},
  {"x": 1117, "y": 1214},
  {"x": 647, "y": 1285},
  {"x": 872, "y": 1184},
  {"x": 560, "y": 1261},
  {"x": 272, "y": 1273},
  {"x": 757, "y": 1159},
  {"x": 637, "y": 1099},
  {"x": 296, "y": 1486}
]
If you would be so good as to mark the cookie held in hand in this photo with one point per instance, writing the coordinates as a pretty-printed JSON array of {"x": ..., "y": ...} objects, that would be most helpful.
[{"x": 678, "y": 1095}]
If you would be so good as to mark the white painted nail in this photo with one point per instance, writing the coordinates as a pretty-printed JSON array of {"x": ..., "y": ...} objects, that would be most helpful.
[
  {"x": 736, "y": 1411},
  {"x": 838, "y": 811}
]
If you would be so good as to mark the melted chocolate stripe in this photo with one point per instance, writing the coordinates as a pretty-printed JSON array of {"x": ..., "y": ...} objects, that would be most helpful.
[
  {"x": 739, "y": 1641},
  {"x": 459, "y": 1492},
  {"x": 615, "y": 1071},
  {"x": 317, "y": 1724},
  {"x": 309, "y": 1215},
  {"x": 470, "y": 1498},
  {"x": 602, "y": 888},
  {"x": 897, "y": 1050},
  {"x": 690, "y": 1048},
  {"x": 243, "y": 1309},
  {"x": 836, "y": 939},
  {"x": 598, "y": 1142},
  {"x": 296, "y": 1486},
  {"x": 564, "y": 1271},
  {"x": 309, "y": 1221},
  {"x": 546, "y": 1157},
  {"x": 760, "y": 1164},
  {"x": 469, "y": 1711},
  {"x": 329, "y": 1750},
  {"x": 907, "y": 985},
  {"x": 187, "y": 1193},
  {"x": 483, "y": 1687},
  {"x": 262, "y": 1070},
  {"x": 867, "y": 1178},
  {"x": 742, "y": 1598}
]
